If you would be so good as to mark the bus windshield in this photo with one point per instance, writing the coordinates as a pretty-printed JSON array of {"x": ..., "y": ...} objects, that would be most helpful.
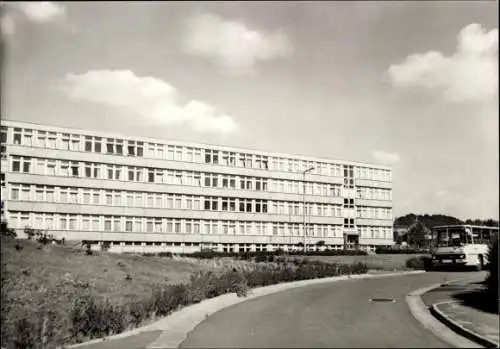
[
  {"x": 457, "y": 236},
  {"x": 452, "y": 237}
]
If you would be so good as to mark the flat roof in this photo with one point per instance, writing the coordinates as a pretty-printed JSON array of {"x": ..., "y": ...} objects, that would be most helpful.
[
  {"x": 465, "y": 225},
  {"x": 63, "y": 129}
]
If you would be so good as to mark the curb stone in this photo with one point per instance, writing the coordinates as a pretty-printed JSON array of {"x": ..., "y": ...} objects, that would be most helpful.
[
  {"x": 421, "y": 313},
  {"x": 454, "y": 325},
  {"x": 183, "y": 324},
  {"x": 179, "y": 324}
]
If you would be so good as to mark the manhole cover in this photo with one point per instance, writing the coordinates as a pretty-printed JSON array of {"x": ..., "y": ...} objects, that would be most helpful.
[{"x": 380, "y": 300}]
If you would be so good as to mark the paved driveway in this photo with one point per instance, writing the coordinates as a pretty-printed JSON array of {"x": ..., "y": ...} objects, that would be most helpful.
[{"x": 328, "y": 315}]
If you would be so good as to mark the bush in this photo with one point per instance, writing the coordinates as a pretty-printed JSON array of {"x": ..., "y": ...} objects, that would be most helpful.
[
  {"x": 492, "y": 279},
  {"x": 89, "y": 318},
  {"x": 417, "y": 263},
  {"x": 6, "y": 231},
  {"x": 30, "y": 233},
  {"x": 268, "y": 256},
  {"x": 398, "y": 250},
  {"x": 105, "y": 246}
]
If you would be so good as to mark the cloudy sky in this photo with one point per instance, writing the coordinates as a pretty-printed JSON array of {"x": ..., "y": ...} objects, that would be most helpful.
[{"x": 411, "y": 85}]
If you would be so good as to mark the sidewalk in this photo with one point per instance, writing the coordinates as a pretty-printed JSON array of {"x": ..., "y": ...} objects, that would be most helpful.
[
  {"x": 477, "y": 322},
  {"x": 460, "y": 306}
]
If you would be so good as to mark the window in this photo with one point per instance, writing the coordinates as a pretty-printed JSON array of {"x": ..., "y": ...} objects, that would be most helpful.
[
  {"x": 93, "y": 144},
  {"x": 51, "y": 167},
  {"x": 246, "y": 183},
  {"x": 211, "y": 203},
  {"x": 51, "y": 140},
  {"x": 64, "y": 169},
  {"x": 86, "y": 222},
  {"x": 27, "y": 137},
  {"x": 65, "y": 141},
  {"x": 261, "y": 184},
  {"x": 73, "y": 195},
  {"x": 135, "y": 174},
  {"x": 348, "y": 222},
  {"x": 135, "y": 148},
  {"x": 211, "y": 156},
  {"x": 18, "y": 132},
  {"x": 245, "y": 160},
  {"x": 96, "y": 223},
  {"x": 228, "y": 158},
  {"x": 21, "y": 164},
  {"x": 128, "y": 224},
  {"x": 40, "y": 166},
  {"x": 261, "y": 206},
  {"x": 63, "y": 194},
  {"x": 261, "y": 162},
  {"x": 74, "y": 144},
  {"x": 348, "y": 203},
  {"x": 3, "y": 135},
  {"x": 107, "y": 223},
  {"x": 245, "y": 205},
  {"x": 114, "y": 146},
  {"x": 96, "y": 197},
  {"x": 117, "y": 224},
  {"x": 15, "y": 192},
  {"x": 114, "y": 172},
  {"x": 92, "y": 170},
  {"x": 157, "y": 150},
  {"x": 41, "y": 139},
  {"x": 63, "y": 222},
  {"x": 211, "y": 180}
]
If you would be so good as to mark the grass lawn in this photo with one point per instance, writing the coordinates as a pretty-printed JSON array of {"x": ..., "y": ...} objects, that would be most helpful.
[
  {"x": 32, "y": 269},
  {"x": 46, "y": 282}
]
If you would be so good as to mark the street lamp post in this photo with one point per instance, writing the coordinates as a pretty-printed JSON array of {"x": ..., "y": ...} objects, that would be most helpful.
[{"x": 304, "y": 205}]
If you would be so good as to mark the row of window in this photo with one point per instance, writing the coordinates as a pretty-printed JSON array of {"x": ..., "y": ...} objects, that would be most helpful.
[
  {"x": 88, "y": 196},
  {"x": 113, "y": 146},
  {"x": 130, "y": 224},
  {"x": 373, "y": 212},
  {"x": 66, "y": 168}
]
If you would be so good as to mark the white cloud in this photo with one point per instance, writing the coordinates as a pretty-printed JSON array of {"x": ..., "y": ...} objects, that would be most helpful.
[
  {"x": 231, "y": 44},
  {"x": 470, "y": 74},
  {"x": 41, "y": 11},
  {"x": 149, "y": 97},
  {"x": 385, "y": 158},
  {"x": 8, "y": 26}
]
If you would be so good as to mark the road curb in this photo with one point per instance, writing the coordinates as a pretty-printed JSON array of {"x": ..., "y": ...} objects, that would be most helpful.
[
  {"x": 471, "y": 335},
  {"x": 422, "y": 314},
  {"x": 179, "y": 324},
  {"x": 180, "y": 327}
]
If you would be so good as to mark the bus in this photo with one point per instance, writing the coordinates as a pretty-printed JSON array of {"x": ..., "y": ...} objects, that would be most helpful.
[{"x": 460, "y": 245}]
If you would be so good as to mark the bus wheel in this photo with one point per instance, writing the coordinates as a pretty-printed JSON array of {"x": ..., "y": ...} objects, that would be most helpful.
[{"x": 480, "y": 265}]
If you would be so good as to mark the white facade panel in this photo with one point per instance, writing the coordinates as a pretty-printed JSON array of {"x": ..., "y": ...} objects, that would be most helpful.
[{"x": 64, "y": 181}]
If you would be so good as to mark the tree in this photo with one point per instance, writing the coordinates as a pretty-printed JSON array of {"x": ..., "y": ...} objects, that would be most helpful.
[
  {"x": 321, "y": 243},
  {"x": 492, "y": 279},
  {"x": 416, "y": 236},
  {"x": 7, "y": 232}
]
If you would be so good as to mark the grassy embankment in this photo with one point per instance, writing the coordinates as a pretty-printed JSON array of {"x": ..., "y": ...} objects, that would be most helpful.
[{"x": 54, "y": 295}]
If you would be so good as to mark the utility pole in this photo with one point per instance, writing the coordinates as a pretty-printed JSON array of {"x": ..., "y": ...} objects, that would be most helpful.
[{"x": 304, "y": 205}]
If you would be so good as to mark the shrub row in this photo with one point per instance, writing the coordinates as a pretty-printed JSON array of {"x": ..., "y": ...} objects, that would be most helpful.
[
  {"x": 48, "y": 328},
  {"x": 393, "y": 250},
  {"x": 417, "y": 263},
  {"x": 263, "y": 255}
]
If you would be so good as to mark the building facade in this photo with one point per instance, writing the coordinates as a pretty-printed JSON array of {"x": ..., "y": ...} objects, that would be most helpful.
[{"x": 150, "y": 195}]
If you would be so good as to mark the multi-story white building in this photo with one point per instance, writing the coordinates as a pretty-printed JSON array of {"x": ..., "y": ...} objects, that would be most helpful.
[{"x": 156, "y": 195}]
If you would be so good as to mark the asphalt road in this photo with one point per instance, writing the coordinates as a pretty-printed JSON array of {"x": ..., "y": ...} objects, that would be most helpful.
[{"x": 327, "y": 315}]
